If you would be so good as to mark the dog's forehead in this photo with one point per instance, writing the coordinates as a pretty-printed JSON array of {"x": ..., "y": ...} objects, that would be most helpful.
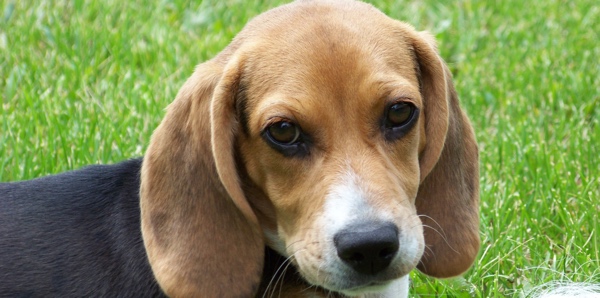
[
  {"x": 300, "y": 13},
  {"x": 324, "y": 33},
  {"x": 339, "y": 50}
]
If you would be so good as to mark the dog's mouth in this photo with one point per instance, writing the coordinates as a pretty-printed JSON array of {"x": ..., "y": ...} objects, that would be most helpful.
[
  {"x": 350, "y": 286},
  {"x": 351, "y": 283},
  {"x": 357, "y": 288},
  {"x": 371, "y": 287}
]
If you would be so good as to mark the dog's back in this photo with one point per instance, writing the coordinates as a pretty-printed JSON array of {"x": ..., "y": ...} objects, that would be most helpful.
[{"x": 74, "y": 234}]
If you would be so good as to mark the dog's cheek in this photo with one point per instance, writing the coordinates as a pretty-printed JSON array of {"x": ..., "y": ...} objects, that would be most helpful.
[
  {"x": 277, "y": 177},
  {"x": 404, "y": 164},
  {"x": 251, "y": 155},
  {"x": 269, "y": 171}
]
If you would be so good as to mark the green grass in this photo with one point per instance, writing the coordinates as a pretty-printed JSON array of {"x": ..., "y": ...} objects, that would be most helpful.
[{"x": 85, "y": 82}]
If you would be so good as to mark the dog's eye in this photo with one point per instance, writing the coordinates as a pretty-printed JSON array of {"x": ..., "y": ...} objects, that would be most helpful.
[
  {"x": 284, "y": 132},
  {"x": 399, "y": 119},
  {"x": 287, "y": 138},
  {"x": 399, "y": 114}
]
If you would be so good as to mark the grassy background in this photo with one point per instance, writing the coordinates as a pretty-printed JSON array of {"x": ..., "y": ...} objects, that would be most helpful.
[{"x": 86, "y": 82}]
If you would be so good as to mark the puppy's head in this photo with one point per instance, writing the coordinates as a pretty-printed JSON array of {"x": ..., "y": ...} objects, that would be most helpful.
[{"x": 335, "y": 132}]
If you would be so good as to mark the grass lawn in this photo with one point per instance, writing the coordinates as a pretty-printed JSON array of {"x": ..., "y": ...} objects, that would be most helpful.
[{"x": 85, "y": 82}]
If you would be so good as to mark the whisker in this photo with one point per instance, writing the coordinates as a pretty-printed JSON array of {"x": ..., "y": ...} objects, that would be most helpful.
[
  {"x": 277, "y": 276},
  {"x": 311, "y": 287},
  {"x": 441, "y": 233},
  {"x": 282, "y": 278}
]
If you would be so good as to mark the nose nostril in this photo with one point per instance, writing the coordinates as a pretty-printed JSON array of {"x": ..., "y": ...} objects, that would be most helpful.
[
  {"x": 388, "y": 252},
  {"x": 367, "y": 249}
]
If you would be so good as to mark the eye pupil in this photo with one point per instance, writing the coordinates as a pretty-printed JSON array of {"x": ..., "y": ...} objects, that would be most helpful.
[
  {"x": 284, "y": 132},
  {"x": 399, "y": 114}
]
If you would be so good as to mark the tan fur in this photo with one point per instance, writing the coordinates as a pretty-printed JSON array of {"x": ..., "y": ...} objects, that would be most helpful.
[
  {"x": 211, "y": 187},
  {"x": 197, "y": 241}
]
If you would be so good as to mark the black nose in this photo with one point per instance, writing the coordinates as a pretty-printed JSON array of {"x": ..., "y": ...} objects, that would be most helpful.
[{"x": 369, "y": 248}]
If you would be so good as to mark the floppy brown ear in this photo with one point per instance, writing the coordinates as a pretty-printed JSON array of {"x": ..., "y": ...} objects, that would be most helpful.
[
  {"x": 200, "y": 234},
  {"x": 448, "y": 197}
]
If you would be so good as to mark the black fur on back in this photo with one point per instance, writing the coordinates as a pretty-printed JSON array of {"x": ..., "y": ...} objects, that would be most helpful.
[{"x": 75, "y": 234}]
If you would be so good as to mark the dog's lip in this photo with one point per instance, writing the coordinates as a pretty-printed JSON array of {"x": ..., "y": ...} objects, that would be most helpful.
[{"x": 369, "y": 287}]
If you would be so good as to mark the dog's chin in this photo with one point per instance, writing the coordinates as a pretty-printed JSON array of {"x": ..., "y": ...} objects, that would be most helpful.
[
  {"x": 355, "y": 285},
  {"x": 370, "y": 288}
]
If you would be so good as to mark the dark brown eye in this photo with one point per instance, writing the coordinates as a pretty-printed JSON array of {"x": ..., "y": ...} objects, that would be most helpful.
[
  {"x": 399, "y": 114},
  {"x": 398, "y": 120},
  {"x": 284, "y": 132},
  {"x": 287, "y": 138}
]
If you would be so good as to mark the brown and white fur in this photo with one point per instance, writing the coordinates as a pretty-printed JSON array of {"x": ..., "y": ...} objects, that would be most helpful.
[
  {"x": 331, "y": 68},
  {"x": 326, "y": 140}
]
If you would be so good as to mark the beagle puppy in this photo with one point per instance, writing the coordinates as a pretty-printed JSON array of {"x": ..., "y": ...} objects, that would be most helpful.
[{"x": 322, "y": 153}]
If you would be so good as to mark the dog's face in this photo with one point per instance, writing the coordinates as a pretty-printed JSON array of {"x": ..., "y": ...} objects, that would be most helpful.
[{"x": 332, "y": 135}]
